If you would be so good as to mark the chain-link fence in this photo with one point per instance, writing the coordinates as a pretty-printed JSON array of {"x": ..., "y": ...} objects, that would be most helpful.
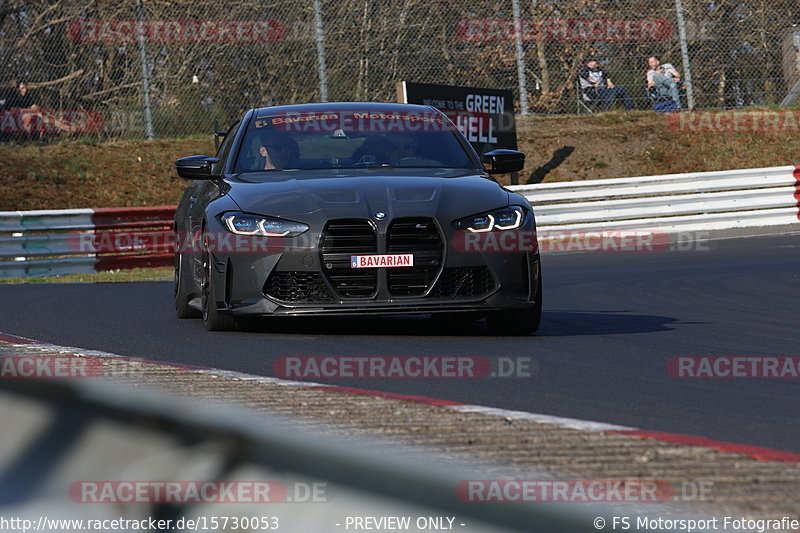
[{"x": 161, "y": 68}]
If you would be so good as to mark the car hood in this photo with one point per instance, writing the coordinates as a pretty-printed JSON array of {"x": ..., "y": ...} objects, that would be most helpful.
[{"x": 320, "y": 195}]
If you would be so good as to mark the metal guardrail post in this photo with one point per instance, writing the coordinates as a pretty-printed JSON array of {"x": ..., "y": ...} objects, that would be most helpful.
[
  {"x": 320, "y": 38},
  {"x": 521, "y": 76},
  {"x": 687, "y": 69},
  {"x": 148, "y": 112}
]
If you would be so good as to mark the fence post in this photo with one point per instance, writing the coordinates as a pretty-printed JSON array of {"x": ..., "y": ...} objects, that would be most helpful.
[
  {"x": 523, "y": 85},
  {"x": 148, "y": 112},
  {"x": 687, "y": 71},
  {"x": 323, "y": 72}
]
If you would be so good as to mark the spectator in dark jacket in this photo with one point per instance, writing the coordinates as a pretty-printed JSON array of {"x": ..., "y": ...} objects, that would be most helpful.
[
  {"x": 596, "y": 85},
  {"x": 22, "y": 104}
]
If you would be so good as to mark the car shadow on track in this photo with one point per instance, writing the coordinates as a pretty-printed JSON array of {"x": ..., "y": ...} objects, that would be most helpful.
[
  {"x": 572, "y": 323},
  {"x": 554, "y": 324},
  {"x": 416, "y": 325}
]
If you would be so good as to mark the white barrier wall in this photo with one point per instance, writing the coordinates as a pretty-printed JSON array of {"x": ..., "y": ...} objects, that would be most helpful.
[
  {"x": 696, "y": 201},
  {"x": 36, "y": 243}
]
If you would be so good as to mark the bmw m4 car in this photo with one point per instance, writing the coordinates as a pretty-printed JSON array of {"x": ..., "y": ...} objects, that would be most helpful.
[{"x": 354, "y": 209}]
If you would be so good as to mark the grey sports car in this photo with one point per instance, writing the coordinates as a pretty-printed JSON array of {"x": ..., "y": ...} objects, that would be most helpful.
[{"x": 354, "y": 209}]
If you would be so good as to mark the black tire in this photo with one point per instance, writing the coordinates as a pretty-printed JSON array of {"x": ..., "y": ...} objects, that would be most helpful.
[
  {"x": 182, "y": 308},
  {"x": 212, "y": 318},
  {"x": 517, "y": 322}
]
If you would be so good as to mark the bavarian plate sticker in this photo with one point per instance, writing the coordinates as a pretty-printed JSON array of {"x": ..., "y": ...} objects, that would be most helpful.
[{"x": 381, "y": 261}]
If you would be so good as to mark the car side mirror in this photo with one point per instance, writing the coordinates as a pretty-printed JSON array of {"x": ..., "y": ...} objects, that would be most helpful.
[
  {"x": 502, "y": 161},
  {"x": 196, "y": 167}
]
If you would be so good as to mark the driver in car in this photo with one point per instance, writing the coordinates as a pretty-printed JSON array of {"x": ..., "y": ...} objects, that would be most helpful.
[{"x": 279, "y": 151}]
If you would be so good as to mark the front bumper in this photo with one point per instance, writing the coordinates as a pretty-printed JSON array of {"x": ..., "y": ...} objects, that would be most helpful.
[{"x": 296, "y": 280}]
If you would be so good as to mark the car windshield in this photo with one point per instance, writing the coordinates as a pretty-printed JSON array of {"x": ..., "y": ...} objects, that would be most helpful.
[{"x": 351, "y": 139}]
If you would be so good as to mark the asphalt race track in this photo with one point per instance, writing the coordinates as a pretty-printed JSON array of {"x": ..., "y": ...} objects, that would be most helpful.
[{"x": 612, "y": 320}]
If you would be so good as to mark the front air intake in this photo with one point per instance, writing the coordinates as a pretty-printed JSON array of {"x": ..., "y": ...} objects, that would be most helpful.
[
  {"x": 421, "y": 237},
  {"x": 340, "y": 240}
]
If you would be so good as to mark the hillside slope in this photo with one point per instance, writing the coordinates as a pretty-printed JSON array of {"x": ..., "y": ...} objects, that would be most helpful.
[{"x": 73, "y": 174}]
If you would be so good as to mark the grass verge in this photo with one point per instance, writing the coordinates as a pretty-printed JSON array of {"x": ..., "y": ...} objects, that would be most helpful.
[
  {"x": 615, "y": 144},
  {"x": 110, "y": 276}
]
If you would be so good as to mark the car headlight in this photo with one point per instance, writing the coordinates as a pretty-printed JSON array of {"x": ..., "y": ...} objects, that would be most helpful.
[
  {"x": 502, "y": 219},
  {"x": 244, "y": 224}
]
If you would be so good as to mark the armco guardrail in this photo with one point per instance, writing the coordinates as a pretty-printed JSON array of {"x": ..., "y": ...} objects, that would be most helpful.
[
  {"x": 217, "y": 445},
  {"x": 68, "y": 434},
  {"x": 695, "y": 201},
  {"x": 57, "y": 242},
  {"x": 41, "y": 243}
]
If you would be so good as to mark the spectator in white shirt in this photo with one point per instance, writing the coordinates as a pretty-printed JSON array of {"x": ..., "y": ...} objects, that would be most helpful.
[{"x": 663, "y": 79}]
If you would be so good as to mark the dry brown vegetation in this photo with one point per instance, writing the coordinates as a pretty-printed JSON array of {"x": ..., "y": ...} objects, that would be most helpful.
[
  {"x": 74, "y": 59},
  {"x": 75, "y": 174}
]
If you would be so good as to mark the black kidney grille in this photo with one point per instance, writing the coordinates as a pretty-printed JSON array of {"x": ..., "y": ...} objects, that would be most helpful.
[
  {"x": 341, "y": 239},
  {"x": 463, "y": 282},
  {"x": 297, "y": 287},
  {"x": 419, "y": 236}
]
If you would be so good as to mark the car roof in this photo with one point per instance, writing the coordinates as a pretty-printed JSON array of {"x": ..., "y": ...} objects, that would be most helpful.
[{"x": 343, "y": 106}]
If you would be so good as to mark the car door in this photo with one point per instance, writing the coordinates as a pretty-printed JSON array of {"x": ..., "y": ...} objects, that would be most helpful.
[{"x": 205, "y": 191}]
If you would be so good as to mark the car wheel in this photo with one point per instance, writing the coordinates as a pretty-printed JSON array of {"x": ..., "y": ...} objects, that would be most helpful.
[
  {"x": 182, "y": 307},
  {"x": 212, "y": 318},
  {"x": 517, "y": 322}
]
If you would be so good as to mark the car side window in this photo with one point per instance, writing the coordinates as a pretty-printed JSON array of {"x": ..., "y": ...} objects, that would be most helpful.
[{"x": 227, "y": 142}]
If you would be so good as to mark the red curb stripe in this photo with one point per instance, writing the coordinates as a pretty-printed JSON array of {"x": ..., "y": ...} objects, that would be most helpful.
[
  {"x": 390, "y": 395},
  {"x": 796, "y": 174},
  {"x": 756, "y": 452},
  {"x": 168, "y": 364},
  {"x": 159, "y": 211},
  {"x": 11, "y": 339},
  {"x": 127, "y": 217}
]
